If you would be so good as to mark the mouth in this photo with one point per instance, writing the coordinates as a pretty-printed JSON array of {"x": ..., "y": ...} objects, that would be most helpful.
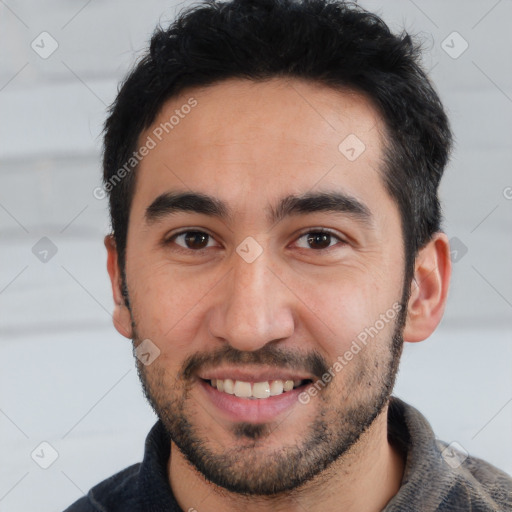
[
  {"x": 258, "y": 401},
  {"x": 256, "y": 390}
]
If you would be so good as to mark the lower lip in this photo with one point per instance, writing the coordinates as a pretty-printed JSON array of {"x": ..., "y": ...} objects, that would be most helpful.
[{"x": 252, "y": 410}]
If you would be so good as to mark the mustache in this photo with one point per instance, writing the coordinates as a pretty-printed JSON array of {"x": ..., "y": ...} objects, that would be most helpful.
[{"x": 311, "y": 362}]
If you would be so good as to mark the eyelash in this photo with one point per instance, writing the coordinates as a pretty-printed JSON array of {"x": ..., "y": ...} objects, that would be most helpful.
[{"x": 310, "y": 231}]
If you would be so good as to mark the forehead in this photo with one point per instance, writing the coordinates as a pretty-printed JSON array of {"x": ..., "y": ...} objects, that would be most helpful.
[{"x": 251, "y": 143}]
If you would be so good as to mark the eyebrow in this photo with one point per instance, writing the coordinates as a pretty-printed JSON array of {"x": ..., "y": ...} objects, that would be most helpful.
[{"x": 169, "y": 203}]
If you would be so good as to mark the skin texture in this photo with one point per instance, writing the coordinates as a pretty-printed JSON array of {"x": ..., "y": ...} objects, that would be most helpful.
[{"x": 250, "y": 145}]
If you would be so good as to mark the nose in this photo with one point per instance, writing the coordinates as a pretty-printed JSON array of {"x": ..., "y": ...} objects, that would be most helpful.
[{"x": 254, "y": 307}]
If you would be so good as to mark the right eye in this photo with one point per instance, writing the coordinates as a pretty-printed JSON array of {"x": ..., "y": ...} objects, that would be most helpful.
[{"x": 192, "y": 240}]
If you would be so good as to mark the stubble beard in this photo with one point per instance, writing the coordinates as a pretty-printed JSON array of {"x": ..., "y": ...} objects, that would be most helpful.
[{"x": 248, "y": 467}]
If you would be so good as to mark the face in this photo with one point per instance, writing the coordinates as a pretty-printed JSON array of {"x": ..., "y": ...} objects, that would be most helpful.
[{"x": 264, "y": 253}]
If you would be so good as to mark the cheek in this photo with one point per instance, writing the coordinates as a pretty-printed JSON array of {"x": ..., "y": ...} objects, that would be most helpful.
[
  {"x": 160, "y": 381},
  {"x": 343, "y": 304},
  {"x": 166, "y": 302}
]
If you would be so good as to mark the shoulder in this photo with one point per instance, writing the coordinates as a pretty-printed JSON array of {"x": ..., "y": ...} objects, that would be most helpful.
[
  {"x": 478, "y": 482},
  {"x": 438, "y": 476},
  {"x": 113, "y": 494}
]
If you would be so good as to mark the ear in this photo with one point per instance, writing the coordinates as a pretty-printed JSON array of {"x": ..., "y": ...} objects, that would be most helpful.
[
  {"x": 121, "y": 316},
  {"x": 429, "y": 289}
]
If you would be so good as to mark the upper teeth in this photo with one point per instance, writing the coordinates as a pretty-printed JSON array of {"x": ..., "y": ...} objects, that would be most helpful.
[{"x": 254, "y": 390}]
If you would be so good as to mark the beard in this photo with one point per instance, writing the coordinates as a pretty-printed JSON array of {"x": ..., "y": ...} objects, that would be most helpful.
[{"x": 249, "y": 467}]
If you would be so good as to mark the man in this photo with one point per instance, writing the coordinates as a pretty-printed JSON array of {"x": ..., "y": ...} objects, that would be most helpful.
[{"x": 272, "y": 168}]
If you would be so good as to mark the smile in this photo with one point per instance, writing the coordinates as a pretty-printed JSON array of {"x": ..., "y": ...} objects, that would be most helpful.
[
  {"x": 256, "y": 390},
  {"x": 255, "y": 400}
]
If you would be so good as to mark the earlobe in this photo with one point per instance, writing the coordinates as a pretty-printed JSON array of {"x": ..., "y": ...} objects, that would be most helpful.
[
  {"x": 121, "y": 316},
  {"x": 429, "y": 289}
]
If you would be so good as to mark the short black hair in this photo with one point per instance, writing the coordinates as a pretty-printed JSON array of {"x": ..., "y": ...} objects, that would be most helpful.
[{"x": 330, "y": 42}]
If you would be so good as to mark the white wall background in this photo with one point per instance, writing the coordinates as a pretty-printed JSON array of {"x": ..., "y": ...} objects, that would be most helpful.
[{"x": 67, "y": 377}]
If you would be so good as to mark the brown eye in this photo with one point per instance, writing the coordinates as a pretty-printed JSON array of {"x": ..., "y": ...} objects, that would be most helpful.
[
  {"x": 195, "y": 240},
  {"x": 319, "y": 240}
]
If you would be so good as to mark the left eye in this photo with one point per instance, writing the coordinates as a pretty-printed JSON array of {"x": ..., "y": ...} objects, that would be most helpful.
[
  {"x": 193, "y": 240},
  {"x": 318, "y": 240}
]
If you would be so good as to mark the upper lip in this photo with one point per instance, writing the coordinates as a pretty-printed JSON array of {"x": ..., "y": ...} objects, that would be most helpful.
[{"x": 254, "y": 375}]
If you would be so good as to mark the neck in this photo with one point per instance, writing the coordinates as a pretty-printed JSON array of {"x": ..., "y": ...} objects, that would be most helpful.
[{"x": 365, "y": 478}]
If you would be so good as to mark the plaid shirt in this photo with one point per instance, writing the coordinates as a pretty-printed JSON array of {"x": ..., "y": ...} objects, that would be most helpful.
[{"x": 437, "y": 478}]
